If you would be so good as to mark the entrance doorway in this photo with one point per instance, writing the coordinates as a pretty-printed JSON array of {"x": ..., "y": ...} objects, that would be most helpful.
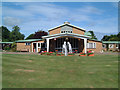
[{"x": 34, "y": 47}]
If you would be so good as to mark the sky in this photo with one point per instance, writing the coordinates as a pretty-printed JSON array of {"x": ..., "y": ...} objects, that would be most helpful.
[{"x": 33, "y": 16}]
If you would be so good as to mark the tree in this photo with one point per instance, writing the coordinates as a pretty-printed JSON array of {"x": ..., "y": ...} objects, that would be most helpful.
[
  {"x": 30, "y": 36},
  {"x": 37, "y": 35},
  {"x": 111, "y": 37},
  {"x": 92, "y": 35},
  {"x": 15, "y": 34},
  {"x": 105, "y": 38},
  {"x": 5, "y": 34},
  {"x": 118, "y": 35}
]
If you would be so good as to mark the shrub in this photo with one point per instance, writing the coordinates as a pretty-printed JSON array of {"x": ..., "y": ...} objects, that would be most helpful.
[
  {"x": 90, "y": 53},
  {"x": 7, "y": 48}
]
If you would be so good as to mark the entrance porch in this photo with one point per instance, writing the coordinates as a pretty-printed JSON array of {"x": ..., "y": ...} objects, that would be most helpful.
[{"x": 77, "y": 41}]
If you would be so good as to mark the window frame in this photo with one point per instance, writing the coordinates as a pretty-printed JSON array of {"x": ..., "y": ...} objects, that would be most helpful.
[
  {"x": 112, "y": 45},
  {"x": 93, "y": 45},
  {"x": 27, "y": 43}
]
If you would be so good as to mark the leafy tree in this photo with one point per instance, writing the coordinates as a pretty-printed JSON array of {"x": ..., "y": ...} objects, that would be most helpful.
[
  {"x": 5, "y": 34},
  {"x": 105, "y": 38},
  {"x": 16, "y": 35},
  {"x": 111, "y": 37},
  {"x": 92, "y": 35},
  {"x": 30, "y": 36},
  {"x": 118, "y": 35},
  {"x": 39, "y": 34}
]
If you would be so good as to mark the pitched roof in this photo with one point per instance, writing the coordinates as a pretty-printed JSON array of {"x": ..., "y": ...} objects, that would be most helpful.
[
  {"x": 111, "y": 42},
  {"x": 29, "y": 40},
  {"x": 68, "y": 25}
]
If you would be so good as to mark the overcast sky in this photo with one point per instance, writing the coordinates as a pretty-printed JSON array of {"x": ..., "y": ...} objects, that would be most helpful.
[{"x": 33, "y": 16}]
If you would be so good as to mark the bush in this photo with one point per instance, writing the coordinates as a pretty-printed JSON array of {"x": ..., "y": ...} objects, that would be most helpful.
[{"x": 7, "y": 48}]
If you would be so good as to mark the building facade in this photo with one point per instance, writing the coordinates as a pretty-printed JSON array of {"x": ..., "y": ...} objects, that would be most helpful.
[
  {"x": 66, "y": 32},
  {"x": 111, "y": 45}
]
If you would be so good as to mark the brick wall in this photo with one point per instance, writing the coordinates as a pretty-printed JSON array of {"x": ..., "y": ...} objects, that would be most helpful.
[
  {"x": 98, "y": 46},
  {"x": 23, "y": 47},
  {"x": 58, "y": 30},
  {"x": 55, "y": 31},
  {"x": 77, "y": 31}
]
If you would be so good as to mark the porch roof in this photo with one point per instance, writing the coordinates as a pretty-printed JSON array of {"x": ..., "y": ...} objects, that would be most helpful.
[
  {"x": 65, "y": 34},
  {"x": 110, "y": 42},
  {"x": 29, "y": 40}
]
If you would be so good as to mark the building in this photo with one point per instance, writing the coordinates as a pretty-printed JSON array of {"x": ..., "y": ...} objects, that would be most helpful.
[
  {"x": 5, "y": 44},
  {"x": 76, "y": 36},
  {"x": 111, "y": 45}
]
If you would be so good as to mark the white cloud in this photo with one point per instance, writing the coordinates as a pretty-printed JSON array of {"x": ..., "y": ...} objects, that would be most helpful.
[
  {"x": 34, "y": 16},
  {"x": 11, "y": 21},
  {"x": 90, "y": 10}
]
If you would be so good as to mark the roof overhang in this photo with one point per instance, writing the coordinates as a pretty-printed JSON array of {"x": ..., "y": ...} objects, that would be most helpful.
[
  {"x": 6, "y": 42},
  {"x": 65, "y": 34},
  {"x": 111, "y": 42},
  {"x": 68, "y": 25},
  {"x": 29, "y": 40}
]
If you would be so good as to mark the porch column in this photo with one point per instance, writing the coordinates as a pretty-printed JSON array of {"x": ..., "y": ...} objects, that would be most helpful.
[
  {"x": 32, "y": 46},
  {"x": 37, "y": 46},
  {"x": 85, "y": 44},
  {"x": 47, "y": 44}
]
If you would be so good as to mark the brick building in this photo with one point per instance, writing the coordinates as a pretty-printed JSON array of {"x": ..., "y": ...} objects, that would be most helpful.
[{"x": 76, "y": 36}]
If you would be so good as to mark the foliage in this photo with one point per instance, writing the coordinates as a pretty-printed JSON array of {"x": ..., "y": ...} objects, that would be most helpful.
[
  {"x": 7, "y": 48},
  {"x": 5, "y": 34},
  {"x": 90, "y": 53},
  {"x": 15, "y": 34},
  {"x": 37, "y": 35},
  {"x": 111, "y": 37},
  {"x": 92, "y": 35},
  {"x": 13, "y": 47},
  {"x": 30, "y": 36}
]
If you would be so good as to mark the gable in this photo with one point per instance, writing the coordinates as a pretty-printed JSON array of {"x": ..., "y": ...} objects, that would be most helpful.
[{"x": 66, "y": 28}]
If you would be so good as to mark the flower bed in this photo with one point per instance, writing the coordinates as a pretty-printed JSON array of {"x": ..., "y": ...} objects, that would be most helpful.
[
  {"x": 82, "y": 54},
  {"x": 89, "y": 53}
]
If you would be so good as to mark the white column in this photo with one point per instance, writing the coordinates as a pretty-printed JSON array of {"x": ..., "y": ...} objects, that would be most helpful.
[
  {"x": 47, "y": 44},
  {"x": 37, "y": 46},
  {"x": 85, "y": 44},
  {"x": 32, "y": 46}
]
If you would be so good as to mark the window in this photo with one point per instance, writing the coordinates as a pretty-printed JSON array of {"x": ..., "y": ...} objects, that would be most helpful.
[
  {"x": 28, "y": 43},
  {"x": 91, "y": 45},
  {"x": 39, "y": 45},
  {"x": 117, "y": 45},
  {"x": 66, "y": 29},
  {"x": 104, "y": 45},
  {"x": 111, "y": 45}
]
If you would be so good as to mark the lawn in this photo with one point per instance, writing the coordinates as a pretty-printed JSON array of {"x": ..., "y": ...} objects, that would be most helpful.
[{"x": 36, "y": 71}]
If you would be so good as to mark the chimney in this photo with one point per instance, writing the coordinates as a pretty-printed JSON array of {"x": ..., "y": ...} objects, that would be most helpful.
[{"x": 66, "y": 22}]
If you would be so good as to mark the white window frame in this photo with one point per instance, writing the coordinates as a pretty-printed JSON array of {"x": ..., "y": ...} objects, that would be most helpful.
[
  {"x": 111, "y": 46},
  {"x": 117, "y": 45},
  {"x": 66, "y": 29},
  {"x": 38, "y": 45},
  {"x": 93, "y": 45},
  {"x": 27, "y": 43},
  {"x": 104, "y": 45}
]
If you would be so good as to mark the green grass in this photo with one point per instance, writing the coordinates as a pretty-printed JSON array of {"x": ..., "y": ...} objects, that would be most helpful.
[{"x": 36, "y": 71}]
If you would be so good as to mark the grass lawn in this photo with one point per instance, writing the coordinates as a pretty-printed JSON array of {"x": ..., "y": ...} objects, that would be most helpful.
[{"x": 36, "y": 71}]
